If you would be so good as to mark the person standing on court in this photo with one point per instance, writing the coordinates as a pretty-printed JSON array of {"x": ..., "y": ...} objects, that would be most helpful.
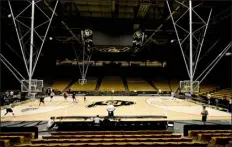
[
  {"x": 208, "y": 97},
  {"x": 160, "y": 92},
  {"x": 51, "y": 95},
  {"x": 65, "y": 95},
  {"x": 74, "y": 97},
  {"x": 110, "y": 110},
  {"x": 204, "y": 114},
  {"x": 173, "y": 95},
  {"x": 41, "y": 100},
  {"x": 230, "y": 105}
]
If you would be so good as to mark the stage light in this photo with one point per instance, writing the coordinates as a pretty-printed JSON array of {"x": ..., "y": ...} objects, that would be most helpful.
[
  {"x": 9, "y": 16},
  {"x": 172, "y": 41},
  {"x": 50, "y": 38}
]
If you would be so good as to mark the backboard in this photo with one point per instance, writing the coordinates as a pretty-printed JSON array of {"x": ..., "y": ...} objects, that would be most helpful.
[
  {"x": 82, "y": 81},
  {"x": 185, "y": 86},
  {"x": 36, "y": 85}
]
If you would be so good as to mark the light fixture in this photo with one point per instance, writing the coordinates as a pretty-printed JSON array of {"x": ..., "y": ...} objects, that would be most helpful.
[
  {"x": 138, "y": 34},
  {"x": 172, "y": 41},
  {"x": 50, "y": 38},
  {"x": 228, "y": 54},
  {"x": 138, "y": 39},
  {"x": 9, "y": 16},
  {"x": 87, "y": 33}
]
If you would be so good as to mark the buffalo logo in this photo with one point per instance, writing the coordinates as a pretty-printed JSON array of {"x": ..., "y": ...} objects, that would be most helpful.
[
  {"x": 28, "y": 109},
  {"x": 116, "y": 103}
]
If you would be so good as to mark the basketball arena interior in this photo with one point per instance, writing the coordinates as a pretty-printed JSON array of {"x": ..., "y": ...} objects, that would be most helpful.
[{"x": 115, "y": 73}]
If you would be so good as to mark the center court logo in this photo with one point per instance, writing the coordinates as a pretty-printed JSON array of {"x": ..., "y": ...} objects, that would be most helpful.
[
  {"x": 28, "y": 109},
  {"x": 116, "y": 103}
]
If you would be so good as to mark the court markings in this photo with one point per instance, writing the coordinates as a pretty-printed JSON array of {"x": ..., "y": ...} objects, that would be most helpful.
[
  {"x": 182, "y": 106},
  {"x": 34, "y": 108}
]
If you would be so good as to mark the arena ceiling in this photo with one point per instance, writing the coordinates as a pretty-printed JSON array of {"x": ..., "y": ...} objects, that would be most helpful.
[{"x": 121, "y": 15}]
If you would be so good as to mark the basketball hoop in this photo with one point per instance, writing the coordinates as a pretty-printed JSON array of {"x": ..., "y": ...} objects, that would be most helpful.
[
  {"x": 186, "y": 87},
  {"x": 82, "y": 81},
  {"x": 36, "y": 86}
]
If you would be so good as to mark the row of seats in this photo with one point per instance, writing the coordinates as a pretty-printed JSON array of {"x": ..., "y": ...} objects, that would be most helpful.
[
  {"x": 161, "y": 84},
  {"x": 206, "y": 88},
  {"x": 223, "y": 93},
  {"x": 89, "y": 86},
  {"x": 14, "y": 138},
  {"x": 139, "y": 85},
  {"x": 114, "y": 136},
  {"x": 118, "y": 138},
  {"x": 126, "y": 144},
  {"x": 213, "y": 137},
  {"x": 60, "y": 85},
  {"x": 112, "y": 83},
  {"x": 112, "y": 140},
  {"x": 115, "y": 83},
  {"x": 113, "y": 132}
]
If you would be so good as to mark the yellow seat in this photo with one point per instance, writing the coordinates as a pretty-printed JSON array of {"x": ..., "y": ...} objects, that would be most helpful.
[
  {"x": 207, "y": 136},
  {"x": 13, "y": 139},
  {"x": 193, "y": 133},
  {"x": 27, "y": 135},
  {"x": 220, "y": 140},
  {"x": 4, "y": 143}
]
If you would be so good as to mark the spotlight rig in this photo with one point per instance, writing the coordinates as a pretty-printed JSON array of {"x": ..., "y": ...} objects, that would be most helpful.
[
  {"x": 87, "y": 39},
  {"x": 138, "y": 39}
]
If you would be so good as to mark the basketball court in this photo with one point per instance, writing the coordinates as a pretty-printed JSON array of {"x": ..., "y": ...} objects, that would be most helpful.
[{"x": 174, "y": 109}]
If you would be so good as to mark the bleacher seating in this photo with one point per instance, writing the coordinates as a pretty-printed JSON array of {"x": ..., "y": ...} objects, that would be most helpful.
[
  {"x": 138, "y": 85},
  {"x": 206, "y": 88},
  {"x": 112, "y": 83},
  {"x": 222, "y": 93},
  {"x": 174, "y": 84},
  {"x": 60, "y": 85},
  {"x": 114, "y": 138},
  {"x": 8, "y": 139},
  {"x": 212, "y": 137},
  {"x": 89, "y": 86},
  {"x": 155, "y": 138},
  {"x": 162, "y": 84}
]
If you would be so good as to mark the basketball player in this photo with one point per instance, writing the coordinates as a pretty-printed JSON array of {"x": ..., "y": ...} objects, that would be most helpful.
[
  {"x": 160, "y": 92},
  {"x": 65, "y": 95},
  {"x": 110, "y": 110},
  {"x": 9, "y": 110},
  {"x": 74, "y": 97},
  {"x": 208, "y": 97},
  {"x": 11, "y": 94},
  {"x": 173, "y": 95},
  {"x": 230, "y": 105},
  {"x": 204, "y": 114},
  {"x": 51, "y": 96},
  {"x": 41, "y": 100}
]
